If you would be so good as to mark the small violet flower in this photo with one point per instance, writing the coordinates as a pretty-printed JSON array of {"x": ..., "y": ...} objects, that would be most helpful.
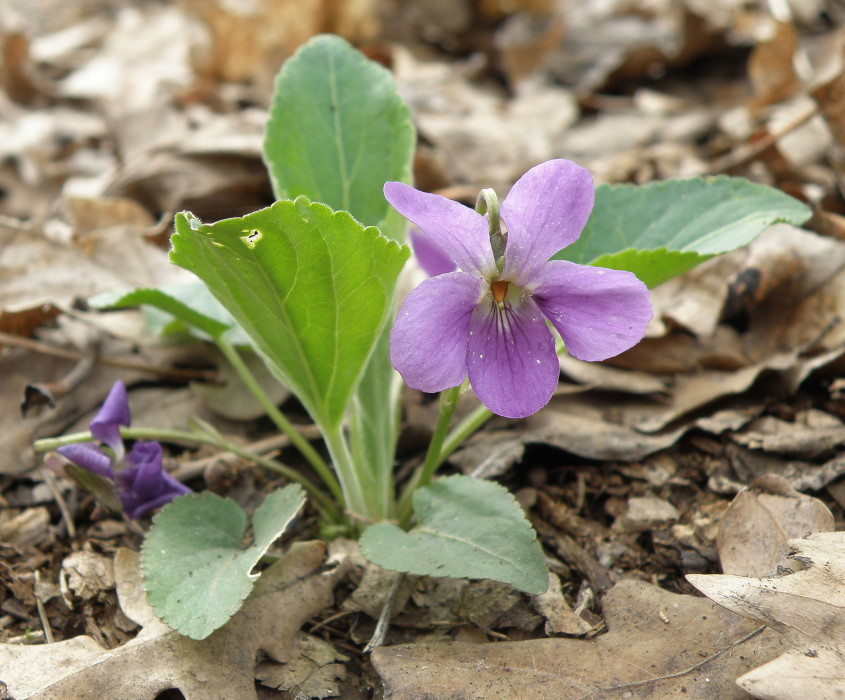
[
  {"x": 488, "y": 319},
  {"x": 139, "y": 477}
]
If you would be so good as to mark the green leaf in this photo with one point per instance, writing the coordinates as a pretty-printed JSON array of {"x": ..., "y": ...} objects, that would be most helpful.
[
  {"x": 466, "y": 528},
  {"x": 338, "y": 130},
  {"x": 311, "y": 287},
  {"x": 196, "y": 568},
  {"x": 191, "y": 303},
  {"x": 659, "y": 230}
]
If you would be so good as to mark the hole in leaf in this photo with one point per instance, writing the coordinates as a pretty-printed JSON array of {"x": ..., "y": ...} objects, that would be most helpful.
[{"x": 252, "y": 239}]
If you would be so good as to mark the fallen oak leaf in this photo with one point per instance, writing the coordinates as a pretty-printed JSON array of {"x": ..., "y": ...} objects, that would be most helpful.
[
  {"x": 288, "y": 593},
  {"x": 696, "y": 654},
  {"x": 807, "y": 607},
  {"x": 755, "y": 531}
]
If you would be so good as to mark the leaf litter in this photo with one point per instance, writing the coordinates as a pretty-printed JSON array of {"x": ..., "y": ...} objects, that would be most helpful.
[{"x": 628, "y": 476}]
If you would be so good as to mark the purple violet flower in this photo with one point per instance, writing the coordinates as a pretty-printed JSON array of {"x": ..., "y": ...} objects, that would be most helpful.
[
  {"x": 488, "y": 319},
  {"x": 139, "y": 477}
]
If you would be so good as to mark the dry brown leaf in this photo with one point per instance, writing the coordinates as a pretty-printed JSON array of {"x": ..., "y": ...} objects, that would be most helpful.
[
  {"x": 771, "y": 68},
  {"x": 811, "y": 433},
  {"x": 812, "y": 672},
  {"x": 660, "y": 645},
  {"x": 483, "y": 137},
  {"x": 288, "y": 593},
  {"x": 314, "y": 670},
  {"x": 807, "y": 607},
  {"x": 755, "y": 531},
  {"x": 560, "y": 618},
  {"x": 644, "y": 513}
]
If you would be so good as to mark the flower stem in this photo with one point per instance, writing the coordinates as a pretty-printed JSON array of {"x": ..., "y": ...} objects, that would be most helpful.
[
  {"x": 279, "y": 419},
  {"x": 327, "y": 507},
  {"x": 434, "y": 456},
  {"x": 472, "y": 422}
]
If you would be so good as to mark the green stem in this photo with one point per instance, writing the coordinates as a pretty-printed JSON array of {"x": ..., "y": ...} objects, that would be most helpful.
[
  {"x": 473, "y": 421},
  {"x": 282, "y": 423},
  {"x": 327, "y": 507},
  {"x": 434, "y": 456},
  {"x": 354, "y": 497}
]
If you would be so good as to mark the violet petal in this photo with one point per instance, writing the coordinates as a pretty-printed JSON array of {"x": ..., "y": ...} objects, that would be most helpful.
[
  {"x": 598, "y": 312},
  {"x": 544, "y": 212},
  {"x": 511, "y": 358},
  {"x": 460, "y": 232},
  {"x": 430, "y": 256},
  {"x": 429, "y": 337},
  {"x": 145, "y": 485},
  {"x": 88, "y": 456},
  {"x": 113, "y": 413}
]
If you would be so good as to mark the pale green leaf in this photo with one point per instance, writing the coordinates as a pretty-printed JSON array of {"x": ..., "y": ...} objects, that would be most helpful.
[
  {"x": 466, "y": 528},
  {"x": 195, "y": 564},
  {"x": 339, "y": 130},
  {"x": 661, "y": 229}
]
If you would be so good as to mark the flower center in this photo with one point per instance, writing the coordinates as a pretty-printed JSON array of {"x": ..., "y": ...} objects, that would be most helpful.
[{"x": 499, "y": 289}]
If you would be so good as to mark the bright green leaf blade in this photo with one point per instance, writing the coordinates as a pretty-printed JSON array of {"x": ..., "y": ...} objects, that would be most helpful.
[
  {"x": 311, "y": 287},
  {"x": 196, "y": 569},
  {"x": 191, "y": 303},
  {"x": 662, "y": 229},
  {"x": 652, "y": 266},
  {"x": 338, "y": 131},
  {"x": 466, "y": 528}
]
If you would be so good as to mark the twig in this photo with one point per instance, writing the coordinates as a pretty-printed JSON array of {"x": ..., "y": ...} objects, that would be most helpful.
[
  {"x": 46, "y": 349},
  {"x": 188, "y": 469},
  {"x": 42, "y": 612},
  {"x": 50, "y": 480},
  {"x": 749, "y": 151},
  {"x": 50, "y": 392},
  {"x": 383, "y": 624},
  {"x": 14, "y": 224}
]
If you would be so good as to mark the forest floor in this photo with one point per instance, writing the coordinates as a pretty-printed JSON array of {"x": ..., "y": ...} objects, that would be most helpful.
[{"x": 704, "y": 449}]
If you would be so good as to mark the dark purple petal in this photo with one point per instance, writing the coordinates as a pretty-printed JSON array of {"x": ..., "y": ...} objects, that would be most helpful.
[
  {"x": 430, "y": 256},
  {"x": 460, "y": 232},
  {"x": 113, "y": 413},
  {"x": 598, "y": 312},
  {"x": 145, "y": 485},
  {"x": 88, "y": 456},
  {"x": 544, "y": 212},
  {"x": 511, "y": 358},
  {"x": 429, "y": 337}
]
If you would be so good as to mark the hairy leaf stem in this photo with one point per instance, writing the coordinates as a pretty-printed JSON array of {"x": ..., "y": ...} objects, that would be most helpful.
[
  {"x": 354, "y": 496},
  {"x": 279, "y": 419}
]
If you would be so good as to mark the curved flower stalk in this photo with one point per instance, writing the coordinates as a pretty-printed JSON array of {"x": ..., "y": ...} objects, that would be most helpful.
[
  {"x": 138, "y": 477},
  {"x": 487, "y": 320}
]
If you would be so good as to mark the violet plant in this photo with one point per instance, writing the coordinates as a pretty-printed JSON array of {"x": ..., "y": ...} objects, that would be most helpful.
[{"x": 310, "y": 285}]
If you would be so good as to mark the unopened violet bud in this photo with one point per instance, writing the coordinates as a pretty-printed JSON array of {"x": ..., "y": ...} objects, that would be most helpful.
[{"x": 145, "y": 485}]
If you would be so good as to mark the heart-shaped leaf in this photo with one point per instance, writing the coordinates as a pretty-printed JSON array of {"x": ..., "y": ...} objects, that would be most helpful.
[
  {"x": 662, "y": 229},
  {"x": 195, "y": 564},
  {"x": 466, "y": 528}
]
